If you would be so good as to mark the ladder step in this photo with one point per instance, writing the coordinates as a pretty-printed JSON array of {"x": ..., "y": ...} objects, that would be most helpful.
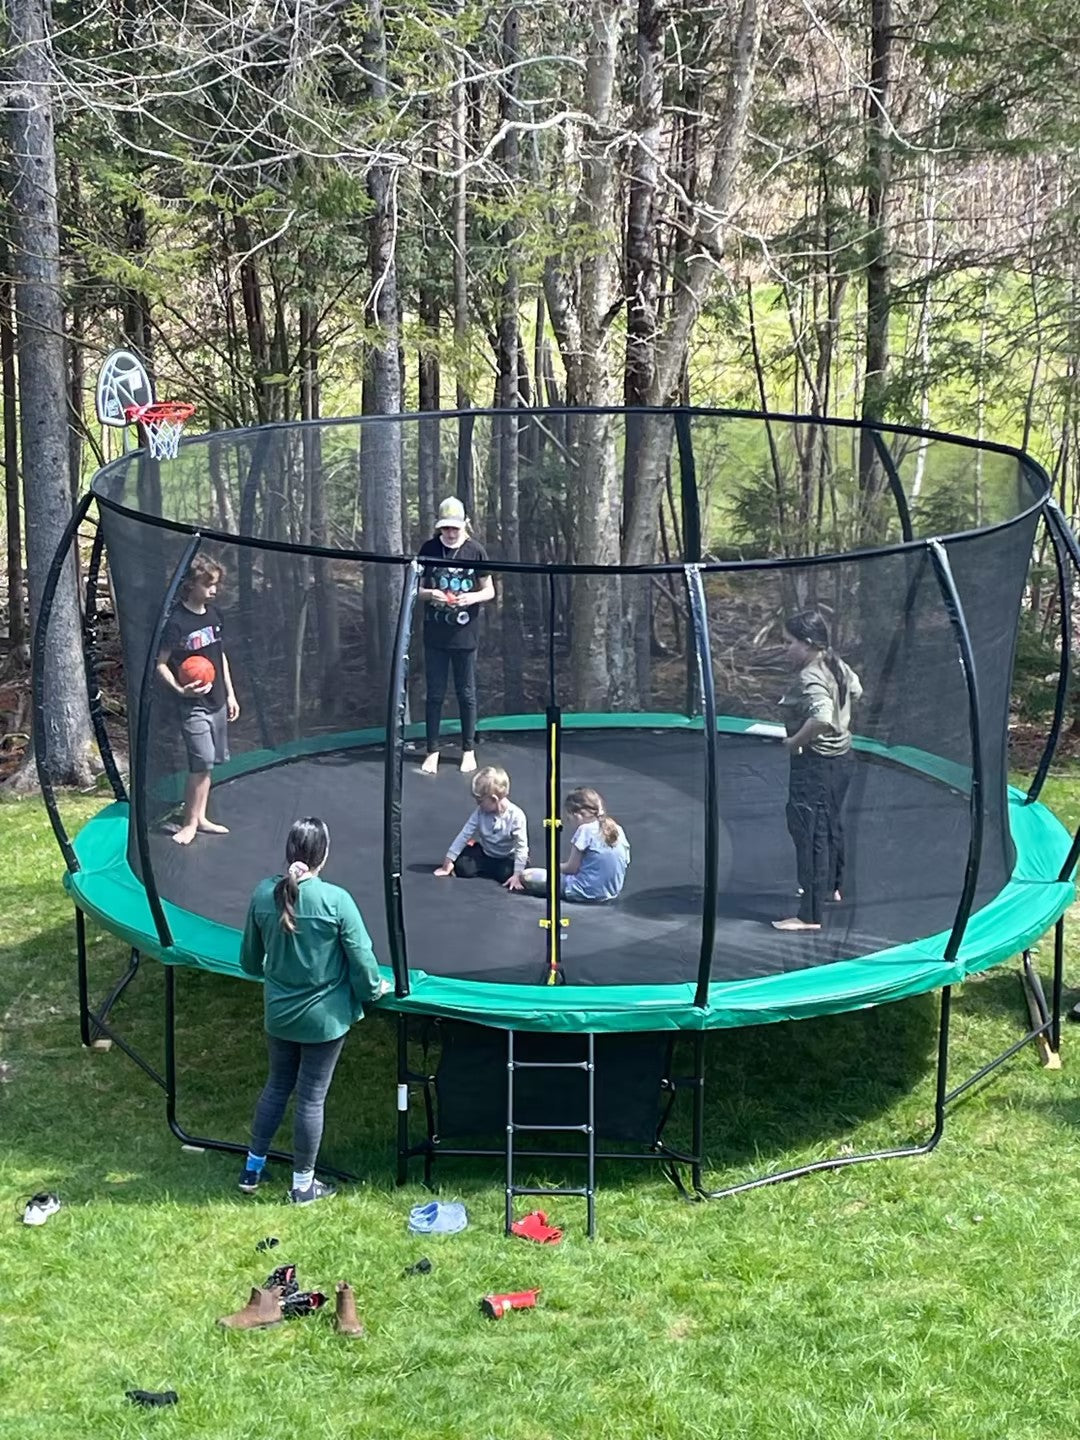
[
  {"x": 549, "y": 1190},
  {"x": 577, "y": 1129},
  {"x": 548, "y": 1064}
]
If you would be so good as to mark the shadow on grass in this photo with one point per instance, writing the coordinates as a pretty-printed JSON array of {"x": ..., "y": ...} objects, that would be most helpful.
[{"x": 94, "y": 1123}]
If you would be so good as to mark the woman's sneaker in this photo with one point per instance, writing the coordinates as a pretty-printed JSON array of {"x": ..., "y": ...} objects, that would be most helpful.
[
  {"x": 249, "y": 1181},
  {"x": 317, "y": 1190}
]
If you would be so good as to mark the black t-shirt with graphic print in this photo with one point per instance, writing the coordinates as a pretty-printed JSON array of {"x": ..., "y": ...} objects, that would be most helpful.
[
  {"x": 455, "y": 572},
  {"x": 187, "y": 633}
]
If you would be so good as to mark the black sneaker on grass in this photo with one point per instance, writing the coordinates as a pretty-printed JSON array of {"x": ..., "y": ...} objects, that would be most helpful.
[
  {"x": 249, "y": 1181},
  {"x": 317, "y": 1190}
]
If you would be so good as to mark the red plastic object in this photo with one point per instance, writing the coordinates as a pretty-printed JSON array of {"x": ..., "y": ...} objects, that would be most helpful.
[
  {"x": 496, "y": 1306},
  {"x": 534, "y": 1226}
]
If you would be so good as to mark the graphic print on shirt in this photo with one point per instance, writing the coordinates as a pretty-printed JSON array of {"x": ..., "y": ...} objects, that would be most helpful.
[
  {"x": 453, "y": 580},
  {"x": 201, "y": 639}
]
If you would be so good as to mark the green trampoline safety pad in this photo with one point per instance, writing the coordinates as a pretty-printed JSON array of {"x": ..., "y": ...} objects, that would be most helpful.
[{"x": 1025, "y": 908}]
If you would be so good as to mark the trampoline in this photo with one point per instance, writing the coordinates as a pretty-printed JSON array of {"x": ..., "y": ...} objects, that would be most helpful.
[{"x": 951, "y": 870}]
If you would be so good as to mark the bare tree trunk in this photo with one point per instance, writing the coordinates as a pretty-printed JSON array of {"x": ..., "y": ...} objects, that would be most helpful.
[
  {"x": 461, "y": 233},
  {"x": 384, "y": 525},
  {"x": 705, "y": 251},
  {"x": 429, "y": 459},
  {"x": 597, "y": 502},
  {"x": 878, "y": 299},
  {"x": 512, "y": 637},
  {"x": 43, "y": 393},
  {"x": 17, "y": 632}
]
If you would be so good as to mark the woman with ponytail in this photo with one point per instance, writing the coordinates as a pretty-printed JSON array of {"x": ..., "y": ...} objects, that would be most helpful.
[
  {"x": 306, "y": 940},
  {"x": 817, "y": 718}
]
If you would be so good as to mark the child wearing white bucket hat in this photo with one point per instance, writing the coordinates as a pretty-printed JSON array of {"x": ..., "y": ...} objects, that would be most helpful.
[{"x": 454, "y": 582}]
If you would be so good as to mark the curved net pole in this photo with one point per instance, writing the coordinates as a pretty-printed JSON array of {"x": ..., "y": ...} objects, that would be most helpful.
[
  {"x": 396, "y": 701},
  {"x": 690, "y": 507},
  {"x": 142, "y": 743},
  {"x": 41, "y": 635},
  {"x": 1055, "y": 522},
  {"x": 700, "y": 622},
  {"x": 90, "y": 650},
  {"x": 896, "y": 485},
  {"x": 954, "y": 607}
]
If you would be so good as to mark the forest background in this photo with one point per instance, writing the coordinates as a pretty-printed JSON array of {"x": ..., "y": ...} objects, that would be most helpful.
[{"x": 305, "y": 208}]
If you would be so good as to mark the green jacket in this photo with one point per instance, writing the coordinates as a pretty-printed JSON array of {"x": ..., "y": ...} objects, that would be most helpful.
[{"x": 318, "y": 978}]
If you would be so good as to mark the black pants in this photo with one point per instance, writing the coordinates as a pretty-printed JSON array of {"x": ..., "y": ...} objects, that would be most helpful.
[
  {"x": 307, "y": 1069},
  {"x": 816, "y": 792},
  {"x": 437, "y": 665},
  {"x": 474, "y": 862}
]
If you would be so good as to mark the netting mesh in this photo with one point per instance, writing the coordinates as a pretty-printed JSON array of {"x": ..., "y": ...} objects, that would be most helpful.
[{"x": 310, "y": 640}]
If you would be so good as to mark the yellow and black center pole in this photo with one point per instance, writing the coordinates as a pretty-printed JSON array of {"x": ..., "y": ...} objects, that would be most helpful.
[{"x": 553, "y": 922}]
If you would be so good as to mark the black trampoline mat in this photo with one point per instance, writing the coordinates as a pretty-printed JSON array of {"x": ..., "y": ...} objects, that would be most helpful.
[{"x": 907, "y": 841}]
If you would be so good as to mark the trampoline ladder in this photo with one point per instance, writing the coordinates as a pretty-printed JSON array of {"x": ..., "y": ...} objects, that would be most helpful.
[{"x": 586, "y": 1192}]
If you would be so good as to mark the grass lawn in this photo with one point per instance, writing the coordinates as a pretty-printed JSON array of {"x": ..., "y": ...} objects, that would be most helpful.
[{"x": 936, "y": 1297}]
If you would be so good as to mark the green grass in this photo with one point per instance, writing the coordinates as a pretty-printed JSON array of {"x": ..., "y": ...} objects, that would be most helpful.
[{"x": 935, "y": 1297}]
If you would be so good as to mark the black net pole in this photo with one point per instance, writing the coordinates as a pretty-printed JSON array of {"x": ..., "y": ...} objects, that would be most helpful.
[
  {"x": 700, "y": 630},
  {"x": 396, "y": 702},
  {"x": 690, "y": 508},
  {"x": 954, "y": 607},
  {"x": 896, "y": 485},
  {"x": 142, "y": 743},
  {"x": 90, "y": 651},
  {"x": 41, "y": 635},
  {"x": 1055, "y": 524}
]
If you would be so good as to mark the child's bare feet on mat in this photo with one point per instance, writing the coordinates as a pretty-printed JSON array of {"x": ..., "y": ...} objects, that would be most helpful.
[
  {"x": 430, "y": 765},
  {"x": 208, "y": 827},
  {"x": 794, "y": 923}
]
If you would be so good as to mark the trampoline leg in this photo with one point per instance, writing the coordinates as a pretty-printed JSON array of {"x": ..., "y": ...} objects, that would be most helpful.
[
  {"x": 1059, "y": 980},
  {"x": 402, "y": 1099},
  {"x": 84, "y": 991},
  {"x": 697, "y": 1139}
]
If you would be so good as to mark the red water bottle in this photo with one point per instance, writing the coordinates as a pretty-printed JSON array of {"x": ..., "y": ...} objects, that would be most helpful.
[{"x": 496, "y": 1306}]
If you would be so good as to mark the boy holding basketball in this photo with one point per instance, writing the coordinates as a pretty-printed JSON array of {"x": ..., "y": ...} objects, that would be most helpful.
[{"x": 193, "y": 665}]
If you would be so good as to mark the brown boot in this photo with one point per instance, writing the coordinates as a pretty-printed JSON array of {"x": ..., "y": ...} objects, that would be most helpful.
[
  {"x": 347, "y": 1321},
  {"x": 261, "y": 1311}
]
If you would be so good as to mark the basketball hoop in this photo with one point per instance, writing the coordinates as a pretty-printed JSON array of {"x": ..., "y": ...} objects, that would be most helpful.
[{"x": 163, "y": 421}]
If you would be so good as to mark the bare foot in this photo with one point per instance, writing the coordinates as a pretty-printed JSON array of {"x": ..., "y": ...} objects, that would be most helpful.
[
  {"x": 837, "y": 896},
  {"x": 207, "y": 827},
  {"x": 468, "y": 762},
  {"x": 794, "y": 923},
  {"x": 185, "y": 834},
  {"x": 430, "y": 765}
]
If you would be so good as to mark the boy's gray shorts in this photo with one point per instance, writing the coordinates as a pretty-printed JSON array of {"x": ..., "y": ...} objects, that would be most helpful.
[{"x": 206, "y": 736}]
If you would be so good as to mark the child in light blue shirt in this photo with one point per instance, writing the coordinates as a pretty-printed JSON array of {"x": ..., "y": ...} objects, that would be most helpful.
[{"x": 599, "y": 853}]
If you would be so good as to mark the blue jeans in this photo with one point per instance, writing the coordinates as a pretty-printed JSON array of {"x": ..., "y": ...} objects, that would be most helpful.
[{"x": 307, "y": 1069}]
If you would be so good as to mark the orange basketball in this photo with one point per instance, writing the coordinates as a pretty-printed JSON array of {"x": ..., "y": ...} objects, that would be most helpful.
[{"x": 197, "y": 670}]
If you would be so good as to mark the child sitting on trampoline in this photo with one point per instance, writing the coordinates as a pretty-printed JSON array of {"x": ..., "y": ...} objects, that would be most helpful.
[
  {"x": 599, "y": 853},
  {"x": 494, "y": 841}
]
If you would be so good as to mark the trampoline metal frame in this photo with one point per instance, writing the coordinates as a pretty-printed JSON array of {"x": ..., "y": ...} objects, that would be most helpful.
[{"x": 95, "y": 1023}]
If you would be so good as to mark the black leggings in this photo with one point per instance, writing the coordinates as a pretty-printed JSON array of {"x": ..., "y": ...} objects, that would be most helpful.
[
  {"x": 307, "y": 1069},
  {"x": 474, "y": 862},
  {"x": 437, "y": 665},
  {"x": 816, "y": 792}
]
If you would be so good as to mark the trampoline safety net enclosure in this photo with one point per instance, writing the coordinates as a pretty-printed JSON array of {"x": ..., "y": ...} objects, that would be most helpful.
[{"x": 656, "y": 683}]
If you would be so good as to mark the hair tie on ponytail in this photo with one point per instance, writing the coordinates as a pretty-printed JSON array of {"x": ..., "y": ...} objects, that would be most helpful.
[{"x": 298, "y": 871}]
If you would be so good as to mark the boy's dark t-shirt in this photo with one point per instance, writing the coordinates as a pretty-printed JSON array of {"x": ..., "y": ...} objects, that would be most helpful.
[
  {"x": 458, "y": 571},
  {"x": 189, "y": 634}
]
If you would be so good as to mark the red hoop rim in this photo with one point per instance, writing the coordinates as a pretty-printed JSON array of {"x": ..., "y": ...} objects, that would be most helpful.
[{"x": 175, "y": 411}]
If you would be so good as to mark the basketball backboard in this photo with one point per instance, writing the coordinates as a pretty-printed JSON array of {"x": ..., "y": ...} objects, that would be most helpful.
[{"x": 122, "y": 381}]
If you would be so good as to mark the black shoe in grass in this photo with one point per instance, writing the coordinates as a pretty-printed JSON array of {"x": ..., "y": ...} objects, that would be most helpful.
[
  {"x": 317, "y": 1190},
  {"x": 249, "y": 1181}
]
